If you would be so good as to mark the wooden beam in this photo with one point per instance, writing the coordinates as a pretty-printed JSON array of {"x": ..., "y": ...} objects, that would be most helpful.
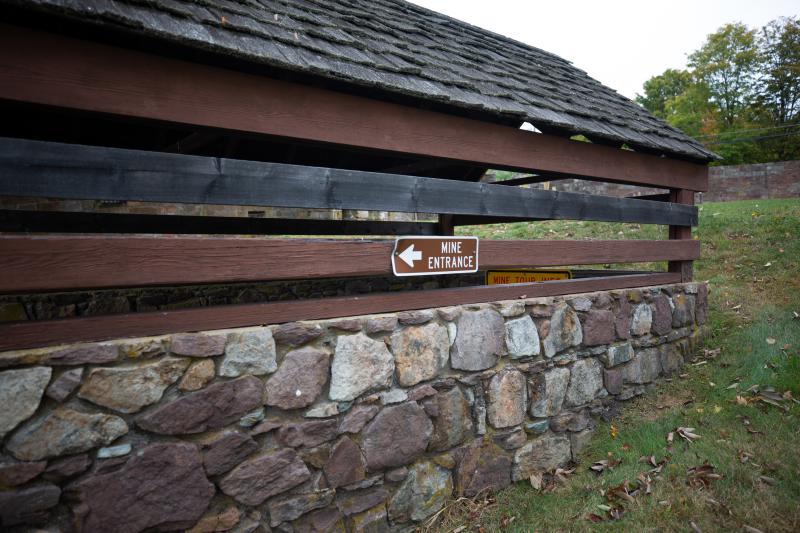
[
  {"x": 680, "y": 233},
  {"x": 49, "y": 263},
  {"x": 56, "y": 170},
  {"x": 663, "y": 197},
  {"x": 33, "y": 334},
  {"x": 49, "y": 69},
  {"x": 82, "y": 222}
]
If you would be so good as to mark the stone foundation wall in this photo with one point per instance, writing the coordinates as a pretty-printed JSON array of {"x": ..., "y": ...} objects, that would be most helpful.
[{"x": 356, "y": 424}]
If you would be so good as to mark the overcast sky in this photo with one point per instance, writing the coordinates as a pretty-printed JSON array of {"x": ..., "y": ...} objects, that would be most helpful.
[{"x": 621, "y": 43}]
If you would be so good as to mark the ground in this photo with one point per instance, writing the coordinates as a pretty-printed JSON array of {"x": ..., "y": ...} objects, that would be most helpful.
[{"x": 739, "y": 467}]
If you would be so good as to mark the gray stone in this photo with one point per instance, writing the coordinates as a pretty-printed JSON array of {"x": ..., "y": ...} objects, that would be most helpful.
[
  {"x": 381, "y": 324},
  {"x": 161, "y": 487},
  {"x": 62, "y": 386},
  {"x": 28, "y": 505},
  {"x": 701, "y": 304},
  {"x": 642, "y": 320},
  {"x": 95, "y": 354},
  {"x": 250, "y": 352},
  {"x": 507, "y": 399},
  {"x": 224, "y": 451},
  {"x": 547, "y": 391},
  {"x": 145, "y": 348},
  {"x": 424, "y": 492},
  {"x": 452, "y": 423},
  {"x": 541, "y": 455},
  {"x": 598, "y": 328},
  {"x": 20, "y": 394},
  {"x": 479, "y": 341},
  {"x": 297, "y": 333},
  {"x": 452, "y": 332},
  {"x": 252, "y": 418},
  {"x": 370, "y": 521},
  {"x": 511, "y": 309},
  {"x": 480, "y": 467},
  {"x": 613, "y": 380},
  {"x": 565, "y": 331},
  {"x": 644, "y": 368},
  {"x": 538, "y": 427},
  {"x": 217, "y": 519},
  {"x": 299, "y": 380},
  {"x": 129, "y": 389},
  {"x": 286, "y": 508},
  {"x": 197, "y": 344},
  {"x": 359, "y": 365},
  {"x": 579, "y": 441},
  {"x": 450, "y": 313},
  {"x": 348, "y": 324},
  {"x": 110, "y": 452},
  {"x": 586, "y": 380},
  {"x": 670, "y": 357},
  {"x": 396, "y": 474},
  {"x": 420, "y": 352},
  {"x": 211, "y": 408},
  {"x": 357, "y": 418},
  {"x": 522, "y": 338},
  {"x": 580, "y": 303},
  {"x": 316, "y": 456},
  {"x": 259, "y": 478},
  {"x": 662, "y": 315},
  {"x": 63, "y": 432},
  {"x": 617, "y": 354},
  {"x": 410, "y": 318},
  {"x": 323, "y": 410},
  {"x": 396, "y": 436},
  {"x": 683, "y": 314},
  {"x": 571, "y": 421},
  {"x": 345, "y": 465},
  {"x": 393, "y": 396}
]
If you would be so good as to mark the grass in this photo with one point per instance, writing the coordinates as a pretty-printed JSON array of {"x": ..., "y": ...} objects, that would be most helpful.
[{"x": 751, "y": 251}]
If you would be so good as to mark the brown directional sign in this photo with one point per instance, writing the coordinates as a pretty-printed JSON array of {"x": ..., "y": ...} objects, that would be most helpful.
[{"x": 420, "y": 256}]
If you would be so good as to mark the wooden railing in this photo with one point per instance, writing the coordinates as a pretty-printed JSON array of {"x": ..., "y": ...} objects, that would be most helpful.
[{"x": 48, "y": 71}]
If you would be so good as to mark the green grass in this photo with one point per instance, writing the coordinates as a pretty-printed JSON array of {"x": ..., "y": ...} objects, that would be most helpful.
[{"x": 749, "y": 303}]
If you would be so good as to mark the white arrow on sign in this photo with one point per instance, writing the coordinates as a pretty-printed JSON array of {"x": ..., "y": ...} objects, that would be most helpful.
[{"x": 409, "y": 255}]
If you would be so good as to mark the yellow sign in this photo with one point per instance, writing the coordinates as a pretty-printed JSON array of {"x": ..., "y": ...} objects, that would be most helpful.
[{"x": 505, "y": 277}]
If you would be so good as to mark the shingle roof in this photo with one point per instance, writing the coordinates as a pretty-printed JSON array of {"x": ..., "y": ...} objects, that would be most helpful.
[{"x": 398, "y": 47}]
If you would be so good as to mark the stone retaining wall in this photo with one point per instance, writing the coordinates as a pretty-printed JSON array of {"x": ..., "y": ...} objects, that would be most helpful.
[{"x": 357, "y": 424}]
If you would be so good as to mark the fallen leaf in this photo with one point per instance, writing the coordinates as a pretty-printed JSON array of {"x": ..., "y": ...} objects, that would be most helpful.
[
  {"x": 741, "y": 400},
  {"x": 768, "y": 264},
  {"x": 695, "y": 528},
  {"x": 732, "y": 385},
  {"x": 770, "y": 341},
  {"x": 751, "y": 529},
  {"x": 703, "y": 475},
  {"x": 717, "y": 409},
  {"x": 744, "y": 456},
  {"x": 536, "y": 480},
  {"x": 687, "y": 433},
  {"x": 768, "y": 480}
]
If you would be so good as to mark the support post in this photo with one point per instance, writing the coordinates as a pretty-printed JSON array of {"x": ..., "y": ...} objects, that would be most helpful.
[
  {"x": 446, "y": 226},
  {"x": 684, "y": 268}
]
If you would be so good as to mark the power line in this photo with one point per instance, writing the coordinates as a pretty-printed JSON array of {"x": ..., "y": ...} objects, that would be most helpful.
[
  {"x": 750, "y": 139},
  {"x": 748, "y": 130}
]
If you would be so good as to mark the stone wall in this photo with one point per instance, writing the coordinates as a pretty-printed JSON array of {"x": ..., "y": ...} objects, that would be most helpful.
[
  {"x": 356, "y": 424},
  {"x": 725, "y": 183}
]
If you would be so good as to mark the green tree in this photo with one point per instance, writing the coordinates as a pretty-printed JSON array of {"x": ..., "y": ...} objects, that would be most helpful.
[
  {"x": 660, "y": 89},
  {"x": 728, "y": 64}
]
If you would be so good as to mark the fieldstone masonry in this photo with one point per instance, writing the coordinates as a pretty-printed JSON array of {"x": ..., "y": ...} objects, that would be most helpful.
[{"x": 360, "y": 424}]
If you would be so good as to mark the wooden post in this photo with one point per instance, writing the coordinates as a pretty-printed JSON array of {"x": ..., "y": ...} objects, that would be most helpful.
[
  {"x": 446, "y": 226},
  {"x": 685, "y": 268}
]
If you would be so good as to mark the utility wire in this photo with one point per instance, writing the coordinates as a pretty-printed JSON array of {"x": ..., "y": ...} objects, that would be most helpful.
[
  {"x": 750, "y": 139},
  {"x": 748, "y": 130}
]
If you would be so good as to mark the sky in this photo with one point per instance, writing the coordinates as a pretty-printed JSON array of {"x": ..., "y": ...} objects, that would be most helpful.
[{"x": 621, "y": 43}]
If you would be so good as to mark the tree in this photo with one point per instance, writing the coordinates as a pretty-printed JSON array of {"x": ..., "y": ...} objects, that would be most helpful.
[
  {"x": 780, "y": 57},
  {"x": 727, "y": 63},
  {"x": 658, "y": 90}
]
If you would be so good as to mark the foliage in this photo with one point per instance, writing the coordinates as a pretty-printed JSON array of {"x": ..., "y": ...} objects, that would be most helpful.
[{"x": 740, "y": 96}]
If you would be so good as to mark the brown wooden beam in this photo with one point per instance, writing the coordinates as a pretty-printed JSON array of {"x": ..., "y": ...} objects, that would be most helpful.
[
  {"x": 44, "y": 68},
  {"x": 681, "y": 234},
  {"x": 22, "y": 335},
  {"x": 49, "y": 263}
]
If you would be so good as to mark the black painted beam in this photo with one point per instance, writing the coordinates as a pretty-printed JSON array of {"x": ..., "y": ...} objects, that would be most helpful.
[
  {"x": 12, "y": 220},
  {"x": 55, "y": 170}
]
